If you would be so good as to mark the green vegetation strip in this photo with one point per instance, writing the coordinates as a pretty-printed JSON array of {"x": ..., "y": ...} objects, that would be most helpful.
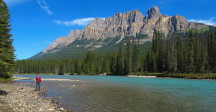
[
  {"x": 3, "y": 79},
  {"x": 182, "y": 75}
]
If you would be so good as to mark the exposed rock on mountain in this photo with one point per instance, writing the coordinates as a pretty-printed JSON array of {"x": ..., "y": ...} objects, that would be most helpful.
[
  {"x": 126, "y": 24},
  {"x": 153, "y": 13},
  {"x": 63, "y": 41}
]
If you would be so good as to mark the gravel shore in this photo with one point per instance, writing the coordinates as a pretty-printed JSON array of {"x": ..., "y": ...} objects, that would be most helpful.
[{"x": 19, "y": 98}]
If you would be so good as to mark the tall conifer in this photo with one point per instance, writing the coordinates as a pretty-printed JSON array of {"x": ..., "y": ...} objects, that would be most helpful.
[{"x": 6, "y": 47}]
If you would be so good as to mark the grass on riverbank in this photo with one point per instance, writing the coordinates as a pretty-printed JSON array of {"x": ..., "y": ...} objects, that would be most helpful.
[
  {"x": 183, "y": 75},
  {"x": 5, "y": 79}
]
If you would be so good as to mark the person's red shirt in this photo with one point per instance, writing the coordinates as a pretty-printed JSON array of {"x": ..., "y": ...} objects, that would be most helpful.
[{"x": 38, "y": 79}]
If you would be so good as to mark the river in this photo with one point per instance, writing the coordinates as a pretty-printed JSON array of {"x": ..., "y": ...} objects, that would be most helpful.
[{"x": 129, "y": 94}]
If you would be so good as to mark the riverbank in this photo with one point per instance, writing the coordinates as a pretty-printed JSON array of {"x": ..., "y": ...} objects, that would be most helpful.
[
  {"x": 3, "y": 79},
  {"x": 211, "y": 76},
  {"x": 19, "y": 98},
  {"x": 142, "y": 76}
]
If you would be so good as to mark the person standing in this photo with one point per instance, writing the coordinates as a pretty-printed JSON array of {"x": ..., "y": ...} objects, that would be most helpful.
[{"x": 38, "y": 81}]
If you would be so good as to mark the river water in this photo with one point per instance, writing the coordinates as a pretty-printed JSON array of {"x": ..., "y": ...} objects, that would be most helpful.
[{"x": 129, "y": 94}]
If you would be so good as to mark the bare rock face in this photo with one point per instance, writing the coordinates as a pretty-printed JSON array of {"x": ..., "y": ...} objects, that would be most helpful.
[
  {"x": 127, "y": 24},
  {"x": 155, "y": 21},
  {"x": 179, "y": 23},
  {"x": 63, "y": 41},
  {"x": 154, "y": 12},
  {"x": 59, "y": 41},
  {"x": 94, "y": 29},
  {"x": 72, "y": 36}
]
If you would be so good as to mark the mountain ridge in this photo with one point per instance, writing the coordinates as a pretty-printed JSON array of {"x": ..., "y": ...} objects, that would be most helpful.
[{"x": 121, "y": 25}]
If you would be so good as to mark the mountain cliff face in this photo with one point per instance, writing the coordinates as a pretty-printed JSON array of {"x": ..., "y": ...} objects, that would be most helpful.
[
  {"x": 123, "y": 24},
  {"x": 63, "y": 41}
]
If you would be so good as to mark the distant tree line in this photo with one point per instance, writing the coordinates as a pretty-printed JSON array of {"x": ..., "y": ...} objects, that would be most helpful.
[
  {"x": 189, "y": 52},
  {"x": 192, "y": 52}
]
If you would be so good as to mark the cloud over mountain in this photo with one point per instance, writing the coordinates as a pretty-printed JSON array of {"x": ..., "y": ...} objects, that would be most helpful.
[
  {"x": 210, "y": 21},
  {"x": 79, "y": 22}
]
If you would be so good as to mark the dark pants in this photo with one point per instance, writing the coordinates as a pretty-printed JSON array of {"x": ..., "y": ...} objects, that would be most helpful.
[{"x": 37, "y": 86}]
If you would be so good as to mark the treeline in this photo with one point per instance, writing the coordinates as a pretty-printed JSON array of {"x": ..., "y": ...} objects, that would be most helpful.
[
  {"x": 190, "y": 52},
  {"x": 92, "y": 63}
]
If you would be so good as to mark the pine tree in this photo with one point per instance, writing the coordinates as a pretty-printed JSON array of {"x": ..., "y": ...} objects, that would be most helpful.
[
  {"x": 62, "y": 70},
  {"x": 114, "y": 63},
  {"x": 136, "y": 57},
  {"x": 72, "y": 70},
  {"x": 159, "y": 51},
  {"x": 89, "y": 65},
  {"x": 173, "y": 56},
  {"x": 213, "y": 52},
  {"x": 121, "y": 61},
  {"x": 78, "y": 65},
  {"x": 106, "y": 65},
  {"x": 201, "y": 59},
  {"x": 209, "y": 52},
  {"x": 179, "y": 55},
  {"x": 191, "y": 52},
  {"x": 128, "y": 57},
  {"x": 6, "y": 49}
]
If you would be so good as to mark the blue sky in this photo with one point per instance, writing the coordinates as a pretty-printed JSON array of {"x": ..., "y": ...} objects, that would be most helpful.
[{"x": 36, "y": 23}]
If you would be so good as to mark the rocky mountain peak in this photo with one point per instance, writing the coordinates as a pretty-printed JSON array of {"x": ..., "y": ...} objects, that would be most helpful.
[
  {"x": 153, "y": 12},
  {"x": 97, "y": 23},
  {"x": 129, "y": 23},
  {"x": 74, "y": 34},
  {"x": 133, "y": 13},
  {"x": 134, "y": 16},
  {"x": 63, "y": 41},
  {"x": 179, "y": 23}
]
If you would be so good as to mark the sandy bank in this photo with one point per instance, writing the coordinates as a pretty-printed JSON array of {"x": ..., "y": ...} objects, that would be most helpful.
[
  {"x": 44, "y": 79},
  {"x": 49, "y": 79},
  {"x": 19, "y": 98},
  {"x": 141, "y": 76}
]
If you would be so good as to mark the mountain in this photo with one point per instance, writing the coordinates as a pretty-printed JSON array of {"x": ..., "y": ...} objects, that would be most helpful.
[{"x": 105, "y": 34}]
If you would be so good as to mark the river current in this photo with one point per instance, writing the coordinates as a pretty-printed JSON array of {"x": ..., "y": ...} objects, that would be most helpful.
[{"x": 129, "y": 94}]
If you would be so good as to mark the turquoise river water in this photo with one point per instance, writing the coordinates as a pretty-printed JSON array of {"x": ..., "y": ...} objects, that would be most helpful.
[{"x": 129, "y": 94}]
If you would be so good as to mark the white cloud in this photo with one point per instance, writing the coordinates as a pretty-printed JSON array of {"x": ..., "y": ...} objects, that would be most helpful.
[
  {"x": 79, "y": 22},
  {"x": 210, "y": 21},
  {"x": 43, "y": 4}
]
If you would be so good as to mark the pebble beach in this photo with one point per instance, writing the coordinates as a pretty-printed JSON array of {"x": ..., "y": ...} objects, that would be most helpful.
[{"x": 20, "y": 98}]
